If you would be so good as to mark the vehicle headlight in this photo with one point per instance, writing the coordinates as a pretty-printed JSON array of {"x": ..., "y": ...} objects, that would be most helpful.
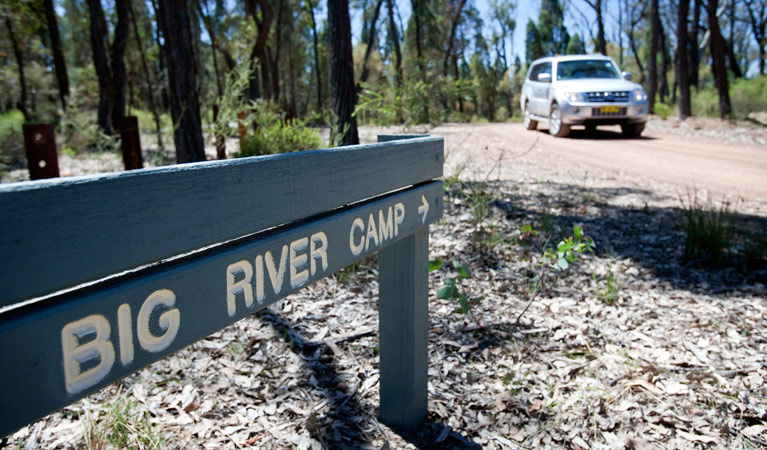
[
  {"x": 575, "y": 96},
  {"x": 639, "y": 95}
]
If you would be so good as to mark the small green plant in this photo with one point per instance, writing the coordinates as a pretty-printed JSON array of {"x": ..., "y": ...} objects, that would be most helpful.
[
  {"x": 451, "y": 290},
  {"x": 608, "y": 293},
  {"x": 708, "y": 229},
  {"x": 485, "y": 235},
  {"x": 559, "y": 259}
]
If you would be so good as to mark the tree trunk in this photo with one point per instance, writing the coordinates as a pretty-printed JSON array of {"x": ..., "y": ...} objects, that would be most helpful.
[
  {"x": 419, "y": 54},
  {"x": 395, "y": 42},
  {"x": 600, "y": 28},
  {"x": 731, "y": 59},
  {"x": 117, "y": 89},
  {"x": 370, "y": 43},
  {"x": 99, "y": 47},
  {"x": 252, "y": 8},
  {"x": 320, "y": 102},
  {"x": 682, "y": 69},
  {"x": 694, "y": 50},
  {"x": 451, "y": 39},
  {"x": 58, "y": 55},
  {"x": 652, "y": 65},
  {"x": 185, "y": 108},
  {"x": 343, "y": 95},
  {"x": 664, "y": 60},
  {"x": 147, "y": 78},
  {"x": 718, "y": 50}
]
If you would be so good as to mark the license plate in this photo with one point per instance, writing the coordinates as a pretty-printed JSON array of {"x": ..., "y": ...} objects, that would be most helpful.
[{"x": 609, "y": 109}]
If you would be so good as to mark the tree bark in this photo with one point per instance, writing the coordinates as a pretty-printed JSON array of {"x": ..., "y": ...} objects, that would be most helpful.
[
  {"x": 252, "y": 8},
  {"x": 419, "y": 54},
  {"x": 58, "y": 55},
  {"x": 147, "y": 78},
  {"x": 343, "y": 95},
  {"x": 317, "y": 71},
  {"x": 694, "y": 50},
  {"x": 371, "y": 41},
  {"x": 731, "y": 59},
  {"x": 682, "y": 69},
  {"x": 395, "y": 41},
  {"x": 759, "y": 28},
  {"x": 451, "y": 39},
  {"x": 117, "y": 89},
  {"x": 185, "y": 107},
  {"x": 652, "y": 65},
  {"x": 718, "y": 50},
  {"x": 596, "y": 5},
  {"x": 664, "y": 60},
  {"x": 99, "y": 47}
]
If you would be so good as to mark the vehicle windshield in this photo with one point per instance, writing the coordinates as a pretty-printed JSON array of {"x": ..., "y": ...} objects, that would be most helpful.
[{"x": 586, "y": 68}]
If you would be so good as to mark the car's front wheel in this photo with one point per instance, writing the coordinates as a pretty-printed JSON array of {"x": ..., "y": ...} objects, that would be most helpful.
[
  {"x": 530, "y": 124},
  {"x": 632, "y": 130},
  {"x": 556, "y": 127}
]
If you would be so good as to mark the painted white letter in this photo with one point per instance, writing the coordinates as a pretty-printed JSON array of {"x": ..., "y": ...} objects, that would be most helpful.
[
  {"x": 296, "y": 261},
  {"x": 169, "y": 321},
  {"x": 399, "y": 217},
  {"x": 75, "y": 353},
  {"x": 357, "y": 248},
  {"x": 318, "y": 252},
  {"x": 372, "y": 233},
  {"x": 243, "y": 285},
  {"x": 260, "y": 279},
  {"x": 385, "y": 228},
  {"x": 277, "y": 275},
  {"x": 125, "y": 333}
]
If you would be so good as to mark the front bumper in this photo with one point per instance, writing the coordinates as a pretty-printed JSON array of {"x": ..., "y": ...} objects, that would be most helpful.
[{"x": 582, "y": 113}]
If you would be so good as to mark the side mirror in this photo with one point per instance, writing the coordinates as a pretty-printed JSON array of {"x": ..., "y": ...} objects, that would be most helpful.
[
  {"x": 544, "y": 77},
  {"x": 626, "y": 75}
]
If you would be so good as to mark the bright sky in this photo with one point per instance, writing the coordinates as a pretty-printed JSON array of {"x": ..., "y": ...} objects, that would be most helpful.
[{"x": 577, "y": 12}]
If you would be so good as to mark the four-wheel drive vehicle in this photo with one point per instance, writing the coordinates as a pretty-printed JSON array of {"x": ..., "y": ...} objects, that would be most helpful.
[{"x": 582, "y": 90}]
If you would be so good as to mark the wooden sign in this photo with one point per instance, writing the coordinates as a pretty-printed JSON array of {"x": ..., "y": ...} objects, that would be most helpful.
[{"x": 58, "y": 348}]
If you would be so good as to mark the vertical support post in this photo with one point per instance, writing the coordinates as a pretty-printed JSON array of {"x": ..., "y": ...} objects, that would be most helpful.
[
  {"x": 40, "y": 147},
  {"x": 220, "y": 138},
  {"x": 130, "y": 143},
  {"x": 403, "y": 314}
]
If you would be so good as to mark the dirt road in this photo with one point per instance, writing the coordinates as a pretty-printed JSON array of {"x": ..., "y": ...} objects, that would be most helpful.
[{"x": 509, "y": 152}]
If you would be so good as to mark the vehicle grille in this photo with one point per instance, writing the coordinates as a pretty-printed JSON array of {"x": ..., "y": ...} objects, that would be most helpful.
[
  {"x": 597, "y": 112},
  {"x": 608, "y": 96}
]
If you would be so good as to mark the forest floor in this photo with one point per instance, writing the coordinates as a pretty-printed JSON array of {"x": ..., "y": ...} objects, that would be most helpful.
[{"x": 632, "y": 347}]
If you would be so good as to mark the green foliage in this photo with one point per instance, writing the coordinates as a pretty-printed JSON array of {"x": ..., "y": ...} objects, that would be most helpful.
[
  {"x": 665, "y": 110},
  {"x": 576, "y": 46},
  {"x": 708, "y": 229},
  {"x": 746, "y": 95},
  {"x": 146, "y": 121},
  {"x": 12, "y": 150},
  {"x": 79, "y": 131},
  {"x": 451, "y": 290},
  {"x": 611, "y": 285},
  {"x": 280, "y": 138}
]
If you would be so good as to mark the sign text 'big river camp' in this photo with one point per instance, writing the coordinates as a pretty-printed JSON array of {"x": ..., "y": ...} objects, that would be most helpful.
[{"x": 104, "y": 275}]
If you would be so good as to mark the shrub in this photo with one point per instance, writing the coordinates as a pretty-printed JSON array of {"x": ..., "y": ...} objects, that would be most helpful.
[
  {"x": 746, "y": 96},
  {"x": 274, "y": 135}
]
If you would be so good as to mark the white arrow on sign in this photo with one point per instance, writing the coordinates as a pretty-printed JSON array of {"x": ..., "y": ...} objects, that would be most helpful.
[{"x": 423, "y": 209}]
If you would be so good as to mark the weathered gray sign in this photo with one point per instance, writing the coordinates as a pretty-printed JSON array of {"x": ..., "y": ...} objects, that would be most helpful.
[{"x": 53, "y": 356}]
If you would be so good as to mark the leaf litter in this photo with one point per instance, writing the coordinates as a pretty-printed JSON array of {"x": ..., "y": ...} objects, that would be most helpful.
[{"x": 677, "y": 358}]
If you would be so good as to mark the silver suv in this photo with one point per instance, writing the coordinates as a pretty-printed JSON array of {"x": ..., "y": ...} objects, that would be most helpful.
[{"x": 584, "y": 90}]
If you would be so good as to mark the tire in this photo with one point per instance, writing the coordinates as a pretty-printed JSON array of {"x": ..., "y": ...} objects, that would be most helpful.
[
  {"x": 556, "y": 127},
  {"x": 530, "y": 124},
  {"x": 632, "y": 130}
]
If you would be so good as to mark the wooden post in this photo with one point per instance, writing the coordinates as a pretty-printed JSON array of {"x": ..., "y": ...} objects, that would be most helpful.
[
  {"x": 403, "y": 314},
  {"x": 40, "y": 147},
  {"x": 220, "y": 137},
  {"x": 130, "y": 143}
]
